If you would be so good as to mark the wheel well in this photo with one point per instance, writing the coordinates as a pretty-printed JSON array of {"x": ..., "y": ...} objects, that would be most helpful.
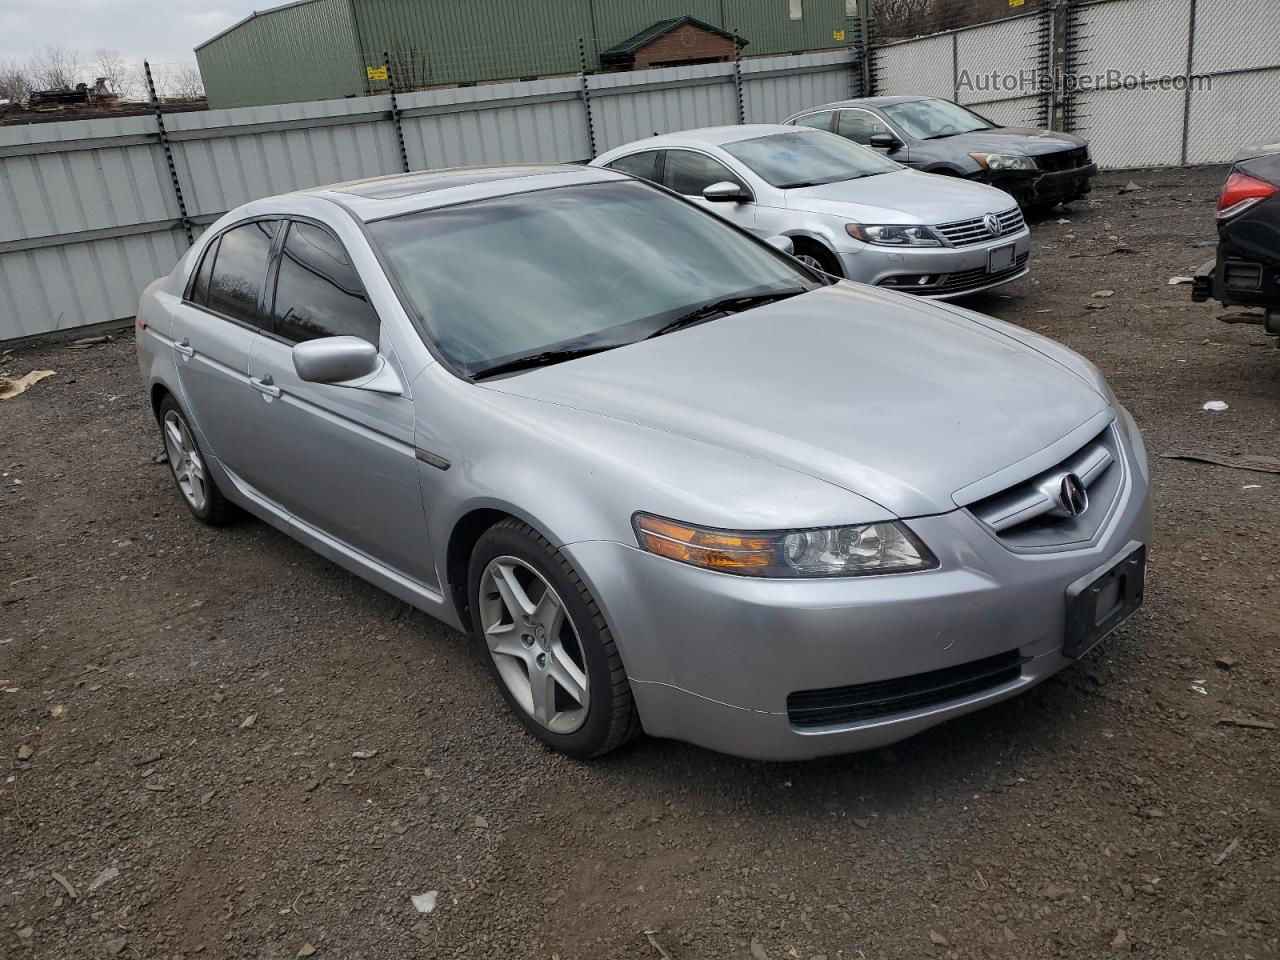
[
  {"x": 819, "y": 246},
  {"x": 462, "y": 542},
  {"x": 158, "y": 392}
]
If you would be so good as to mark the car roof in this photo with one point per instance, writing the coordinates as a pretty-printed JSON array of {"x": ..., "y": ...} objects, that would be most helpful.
[
  {"x": 866, "y": 102},
  {"x": 703, "y": 136},
  {"x": 376, "y": 198}
]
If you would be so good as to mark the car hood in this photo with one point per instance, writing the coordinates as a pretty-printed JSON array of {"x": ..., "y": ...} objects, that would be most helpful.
[
  {"x": 895, "y": 399},
  {"x": 903, "y": 196},
  {"x": 1028, "y": 140}
]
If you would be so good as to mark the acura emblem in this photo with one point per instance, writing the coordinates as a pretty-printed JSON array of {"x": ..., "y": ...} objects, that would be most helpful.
[
  {"x": 1072, "y": 496},
  {"x": 992, "y": 223}
]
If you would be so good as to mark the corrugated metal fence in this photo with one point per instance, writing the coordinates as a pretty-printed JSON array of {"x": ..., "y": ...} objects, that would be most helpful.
[
  {"x": 89, "y": 215},
  {"x": 1147, "y": 82}
]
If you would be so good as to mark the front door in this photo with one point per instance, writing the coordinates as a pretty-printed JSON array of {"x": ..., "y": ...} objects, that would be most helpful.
[
  {"x": 861, "y": 125},
  {"x": 688, "y": 173},
  {"x": 341, "y": 459},
  {"x": 213, "y": 332}
]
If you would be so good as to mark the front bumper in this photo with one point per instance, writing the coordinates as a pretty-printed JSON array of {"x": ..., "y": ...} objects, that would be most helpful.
[
  {"x": 1053, "y": 186},
  {"x": 936, "y": 272},
  {"x": 713, "y": 658}
]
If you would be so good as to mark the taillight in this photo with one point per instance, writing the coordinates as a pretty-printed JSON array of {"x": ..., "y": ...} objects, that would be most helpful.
[{"x": 1241, "y": 192}]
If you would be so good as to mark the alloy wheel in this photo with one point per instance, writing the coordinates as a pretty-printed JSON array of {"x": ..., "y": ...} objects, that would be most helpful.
[
  {"x": 534, "y": 644},
  {"x": 809, "y": 260},
  {"x": 185, "y": 460}
]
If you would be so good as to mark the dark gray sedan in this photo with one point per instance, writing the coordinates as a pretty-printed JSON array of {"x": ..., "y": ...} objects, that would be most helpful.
[{"x": 1040, "y": 168}]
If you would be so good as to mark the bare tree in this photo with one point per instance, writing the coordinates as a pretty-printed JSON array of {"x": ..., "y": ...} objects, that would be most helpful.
[
  {"x": 55, "y": 68},
  {"x": 185, "y": 82},
  {"x": 121, "y": 77},
  {"x": 15, "y": 83}
]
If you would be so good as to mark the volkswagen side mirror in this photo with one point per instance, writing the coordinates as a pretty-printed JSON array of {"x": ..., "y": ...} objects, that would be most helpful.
[{"x": 724, "y": 192}]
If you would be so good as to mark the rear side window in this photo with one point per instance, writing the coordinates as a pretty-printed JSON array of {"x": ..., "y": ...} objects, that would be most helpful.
[
  {"x": 200, "y": 285},
  {"x": 239, "y": 270},
  {"x": 318, "y": 292},
  {"x": 642, "y": 165},
  {"x": 690, "y": 173},
  {"x": 821, "y": 121}
]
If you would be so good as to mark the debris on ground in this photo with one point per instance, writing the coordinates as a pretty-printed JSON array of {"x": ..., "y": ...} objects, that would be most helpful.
[
  {"x": 116, "y": 946},
  {"x": 1179, "y": 281},
  {"x": 306, "y": 950},
  {"x": 11, "y": 388},
  {"x": 1197, "y": 686},
  {"x": 938, "y": 940},
  {"x": 106, "y": 876},
  {"x": 1215, "y": 406},
  {"x": 1232, "y": 847},
  {"x": 26, "y": 752},
  {"x": 425, "y": 902},
  {"x": 1095, "y": 306},
  {"x": 1248, "y": 723},
  {"x": 248, "y": 721},
  {"x": 1129, "y": 187},
  {"x": 1103, "y": 294},
  {"x": 66, "y": 885},
  {"x": 364, "y": 754},
  {"x": 1242, "y": 462},
  {"x": 758, "y": 952},
  {"x": 1120, "y": 943},
  {"x": 1225, "y": 663},
  {"x": 653, "y": 942},
  {"x": 85, "y": 342}
]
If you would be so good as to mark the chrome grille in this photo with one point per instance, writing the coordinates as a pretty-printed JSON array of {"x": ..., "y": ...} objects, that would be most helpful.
[
  {"x": 963, "y": 233},
  {"x": 1029, "y": 515}
]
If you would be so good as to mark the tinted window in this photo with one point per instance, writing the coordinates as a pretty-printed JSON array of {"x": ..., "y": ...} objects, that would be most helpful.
[
  {"x": 559, "y": 285},
  {"x": 239, "y": 269},
  {"x": 638, "y": 164},
  {"x": 858, "y": 126},
  {"x": 933, "y": 119},
  {"x": 805, "y": 158},
  {"x": 690, "y": 173},
  {"x": 318, "y": 292},
  {"x": 200, "y": 286},
  {"x": 820, "y": 120}
]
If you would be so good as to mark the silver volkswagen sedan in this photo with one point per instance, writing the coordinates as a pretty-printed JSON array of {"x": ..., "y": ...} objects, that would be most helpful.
[
  {"x": 665, "y": 475},
  {"x": 850, "y": 212}
]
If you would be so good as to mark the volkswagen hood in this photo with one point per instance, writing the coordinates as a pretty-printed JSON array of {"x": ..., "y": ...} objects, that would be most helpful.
[{"x": 903, "y": 196}]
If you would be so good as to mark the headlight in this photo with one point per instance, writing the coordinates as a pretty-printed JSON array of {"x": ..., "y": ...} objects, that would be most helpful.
[
  {"x": 853, "y": 551},
  {"x": 1004, "y": 161},
  {"x": 894, "y": 235}
]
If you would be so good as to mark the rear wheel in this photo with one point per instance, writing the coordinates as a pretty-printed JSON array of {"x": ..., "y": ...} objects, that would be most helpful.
[
  {"x": 547, "y": 644},
  {"x": 814, "y": 255},
  {"x": 187, "y": 464}
]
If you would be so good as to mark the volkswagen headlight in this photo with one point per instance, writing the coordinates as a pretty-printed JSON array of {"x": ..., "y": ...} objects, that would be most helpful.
[
  {"x": 1004, "y": 161},
  {"x": 894, "y": 234},
  {"x": 852, "y": 551}
]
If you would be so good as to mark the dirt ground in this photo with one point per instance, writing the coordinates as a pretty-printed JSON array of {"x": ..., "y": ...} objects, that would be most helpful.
[{"x": 203, "y": 709}]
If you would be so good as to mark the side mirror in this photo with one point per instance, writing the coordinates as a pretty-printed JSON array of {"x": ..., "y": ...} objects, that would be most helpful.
[
  {"x": 884, "y": 141},
  {"x": 782, "y": 243},
  {"x": 724, "y": 192},
  {"x": 335, "y": 359}
]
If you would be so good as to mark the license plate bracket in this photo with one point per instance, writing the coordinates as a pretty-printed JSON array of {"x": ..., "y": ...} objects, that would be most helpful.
[
  {"x": 1001, "y": 258},
  {"x": 1099, "y": 602}
]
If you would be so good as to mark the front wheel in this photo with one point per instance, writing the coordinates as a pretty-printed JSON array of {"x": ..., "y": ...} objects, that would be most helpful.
[
  {"x": 817, "y": 257},
  {"x": 547, "y": 644}
]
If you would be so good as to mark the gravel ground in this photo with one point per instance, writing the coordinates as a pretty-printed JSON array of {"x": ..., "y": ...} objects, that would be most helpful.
[{"x": 234, "y": 749}]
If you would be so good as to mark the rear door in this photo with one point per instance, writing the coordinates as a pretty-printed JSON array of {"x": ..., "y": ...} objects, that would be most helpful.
[
  {"x": 689, "y": 172},
  {"x": 341, "y": 459},
  {"x": 213, "y": 332}
]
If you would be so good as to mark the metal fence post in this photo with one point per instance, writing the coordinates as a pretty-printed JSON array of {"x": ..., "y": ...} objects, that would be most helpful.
[
  {"x": 865, "y": 26},
  {"x": 1068, "y": 51},
  {"x": 586, "y": 95},
  {"x": 1186, "y": 102},
  {"x": 395, "y": 112},
  {"x": 168, "y": 155},
  {"x": 737, "y": 77}
]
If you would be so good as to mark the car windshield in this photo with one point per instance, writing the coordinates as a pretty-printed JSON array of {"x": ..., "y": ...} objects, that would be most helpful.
[
  {"x": 934, "y": 119},
  {"x": 552, "y": 273},
  {"x": 805, "y": 158}
]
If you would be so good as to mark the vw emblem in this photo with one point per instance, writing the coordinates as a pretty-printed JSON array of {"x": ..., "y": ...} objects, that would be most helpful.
[
  {"x": 1072, "y": 497},
  {"x": 992, "y": 223}
]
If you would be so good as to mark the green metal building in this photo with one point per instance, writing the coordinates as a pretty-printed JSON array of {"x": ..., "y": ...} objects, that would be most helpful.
[{"x": 326, "y": 49}]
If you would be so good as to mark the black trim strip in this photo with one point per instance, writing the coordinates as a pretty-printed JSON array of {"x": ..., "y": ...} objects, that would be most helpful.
[{"x": 431, "y": 459}]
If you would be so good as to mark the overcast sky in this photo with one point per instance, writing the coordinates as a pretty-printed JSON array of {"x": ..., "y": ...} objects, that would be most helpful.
[{"x": 163, "y": 31}]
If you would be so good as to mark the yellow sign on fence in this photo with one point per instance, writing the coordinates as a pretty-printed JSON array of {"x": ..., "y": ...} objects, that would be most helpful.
[
  {"x": 1016, "y": 3},
  {"x": 380, "y": 73},
  {"x": 837, "y": 36}
]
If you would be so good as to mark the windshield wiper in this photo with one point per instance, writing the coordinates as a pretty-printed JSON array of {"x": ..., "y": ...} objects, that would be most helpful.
[
  {"x": 842, "y": 178},
  {"x": 720, "y": 307},
  {"x": 543, "y": 359},
  {"x": 956, "y": 133}
]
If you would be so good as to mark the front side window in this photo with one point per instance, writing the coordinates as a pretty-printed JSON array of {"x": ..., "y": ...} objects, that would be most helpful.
[
  {"x": 593, "y": 266},
  {"x": 934, "y": 119},
  {"x": 318, "y": 292},
  {"x": 808, "y": 158},
  {"x": 239, "y": 270},
  {"x": 690, "y": 173},
  {"x": 858, "y": 126},
  {"x": 643, "y": 165}
]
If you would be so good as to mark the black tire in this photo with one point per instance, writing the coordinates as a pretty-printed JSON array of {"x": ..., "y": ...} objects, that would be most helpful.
[
  {"x": 611, "y": 717},
  {"x": 214, "y": 510},
  {"x": 825, "y": 259}
]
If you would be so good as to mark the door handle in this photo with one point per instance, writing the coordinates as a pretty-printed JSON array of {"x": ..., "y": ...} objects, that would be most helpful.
[
  {"x": 265, "y": 386},
  {"x": 184, "y": 347}
]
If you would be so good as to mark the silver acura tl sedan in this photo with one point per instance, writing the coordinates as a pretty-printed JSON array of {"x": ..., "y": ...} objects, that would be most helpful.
[
  {"x": 849, "y": 211},
  {"x": 666, "y": 476}
]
